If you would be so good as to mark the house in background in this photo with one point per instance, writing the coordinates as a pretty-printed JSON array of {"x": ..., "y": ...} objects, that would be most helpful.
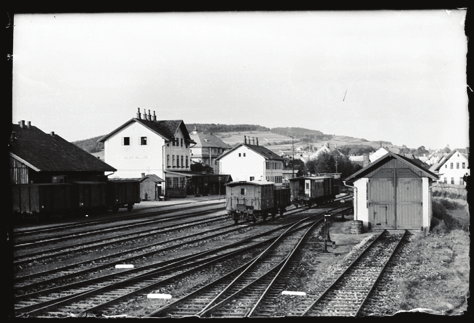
[
  {"x": 393, "y": 192},
  {"x": 251, "y": 162},
  {"x": 150, "y": 146},
  {"x": 37, "y": 157},
  {"x": 326, "y": 148},
  {"x": 207, "y": 148},
  {"x": 453, "y": 167}
]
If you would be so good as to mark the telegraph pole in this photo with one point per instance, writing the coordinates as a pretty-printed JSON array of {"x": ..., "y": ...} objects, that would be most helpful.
[{"x": 293, "y": 161}]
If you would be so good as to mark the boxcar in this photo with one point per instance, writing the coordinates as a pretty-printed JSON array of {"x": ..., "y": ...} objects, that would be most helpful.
[
  {"x": 89, "y": 196},
  {"x": 122, "y": 193},
  {"x": 312, "y": 190},
  {"x": 42, "y": 200},
  {"x": 254, "y": 199}
]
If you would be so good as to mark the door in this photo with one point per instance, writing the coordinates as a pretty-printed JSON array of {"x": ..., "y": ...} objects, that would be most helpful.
[
  {"x": 381, "y": 199},
  {"x": 409, "y": 203}
]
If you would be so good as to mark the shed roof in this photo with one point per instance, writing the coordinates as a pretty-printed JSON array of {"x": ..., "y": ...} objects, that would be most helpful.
[
  {"x": 263, "y": 151},
  {"x": 256, "y": 183},
  {"x": 51, "y": 153},
  {"x": 403, "y": 159}
]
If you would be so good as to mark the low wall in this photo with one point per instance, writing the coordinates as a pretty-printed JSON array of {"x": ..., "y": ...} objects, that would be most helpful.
[{"x": 449, "y": 189}]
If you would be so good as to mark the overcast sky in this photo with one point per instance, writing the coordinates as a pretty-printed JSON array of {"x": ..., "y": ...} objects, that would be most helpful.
[{"x": 398, "y": 76}]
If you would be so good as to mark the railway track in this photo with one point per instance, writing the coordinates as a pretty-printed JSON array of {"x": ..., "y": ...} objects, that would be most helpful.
[
  {"x": 245, "y": 281},
  {"x": 56, "y": 232},
  {"x": 52, "y": 297},
  {"x": 347, "y": 293}
]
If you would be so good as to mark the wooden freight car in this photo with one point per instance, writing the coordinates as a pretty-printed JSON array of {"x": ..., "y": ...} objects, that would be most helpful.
[
  {"x": 312, "y": 190},
  {"x": 253, "y": 199},
  {"x": 88, "y": 196},
  {"x": 122, "y": 193},
  {"x": 42, "y": 200}
]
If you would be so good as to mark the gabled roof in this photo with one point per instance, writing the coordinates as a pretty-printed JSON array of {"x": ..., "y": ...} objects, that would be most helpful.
[
  {"x": 167, "y": 129},
  {"x": 443, "y": 161},
  {"x": 264, "y": 152},
  {"x": 207, "y": 141},
  {"x": 45, "y": 152},
  {"x": 403, "y": 159}
]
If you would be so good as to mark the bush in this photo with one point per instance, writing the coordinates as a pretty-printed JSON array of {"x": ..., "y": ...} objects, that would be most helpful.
[{"x": 443, "y": 222}]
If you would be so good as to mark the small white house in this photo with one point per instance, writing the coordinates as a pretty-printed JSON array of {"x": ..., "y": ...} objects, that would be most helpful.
[
  {"x": 393, "y": 192},
  {"x": 252, "y": 162},
  {"x": 146, "y": 145},
  {"x": 452, "y": 169}
]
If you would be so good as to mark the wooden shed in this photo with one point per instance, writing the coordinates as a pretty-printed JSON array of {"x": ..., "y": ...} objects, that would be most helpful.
[{"x": 393, "y": 192}]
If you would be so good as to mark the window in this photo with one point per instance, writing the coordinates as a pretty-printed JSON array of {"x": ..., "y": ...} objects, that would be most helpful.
[
  {"x": 168, "y": 160},
  {"x": 167, "y": 143},
  {"x": 173, "y": 141},
  {"x": 461, "y": 181},
  {"x": 182, "y": 164},
  {"x": 457, "y": 165},
  {"x": 452, "y": 180},
  {"x": 177, "y": 141},
  {"x": 445, "y": 180},
  {"x": 240, "y": 155},
  {"x": 446, "y": 166},
  {"x": 242, "y": 191},
  {"x": 244, "y": 154},
  {"x": 307, "y": 186},
  {"x": 173, "y": 160},
  {"x": 126, "y": 141},
  {"x": 451, "y": 165},
  {"x": 177, "y": 161},
  {"x": 143, "y": 141},
  {"x": 187, "y": 162},
  {"x": 181, "y": 142},
  {"x": 252, "y": 178},
  {"x": 463, "y": 165}
]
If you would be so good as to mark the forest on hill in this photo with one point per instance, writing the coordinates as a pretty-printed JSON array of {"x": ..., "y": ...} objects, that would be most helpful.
[{"x": 213, "y": 128}]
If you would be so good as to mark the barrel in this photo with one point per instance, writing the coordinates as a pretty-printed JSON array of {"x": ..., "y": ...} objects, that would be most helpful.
[{"x": 356, "y": 227}]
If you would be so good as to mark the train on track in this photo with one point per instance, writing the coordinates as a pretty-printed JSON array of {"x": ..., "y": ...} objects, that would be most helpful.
[
  {"x": 43, "y": 200},
  {"x": 314, "y": 190},
  {"x": 253, "y": 199}
]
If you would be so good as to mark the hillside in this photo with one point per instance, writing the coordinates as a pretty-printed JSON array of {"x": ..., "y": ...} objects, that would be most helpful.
[{"x": 277, "y": 139}]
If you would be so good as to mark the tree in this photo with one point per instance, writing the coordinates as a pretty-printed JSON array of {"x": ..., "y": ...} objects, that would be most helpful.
[
  {"x": 200, "y": 167},
  {"x": 326, "y": 163}
]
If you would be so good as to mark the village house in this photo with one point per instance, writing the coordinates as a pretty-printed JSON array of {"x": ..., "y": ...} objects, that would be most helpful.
[
  {"x": 251, "y": 162},
  {"x": 150, "y": 146},
  {"x": 326, "y": 148},
  {"x": 38, "y": 157},
  {"x": 453, "y": 167},
  {"x": 207, "y": 148},
  {"x": 393, "y": 192}
]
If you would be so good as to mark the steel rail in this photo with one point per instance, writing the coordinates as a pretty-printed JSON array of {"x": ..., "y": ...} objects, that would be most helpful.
[
  {"x": 81, "y": 234},
  {"x": 58, "y": 227},
  {"x": 343, "y": 273},
  {"x": 381, "y": 273}
]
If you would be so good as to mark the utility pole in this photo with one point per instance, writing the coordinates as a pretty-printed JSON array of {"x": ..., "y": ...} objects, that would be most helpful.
[
  {"x": 336, "y": 166},
  {"x": 293, "y": 161}
]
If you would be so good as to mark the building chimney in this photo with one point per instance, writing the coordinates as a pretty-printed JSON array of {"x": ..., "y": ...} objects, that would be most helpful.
[
  {"x": 29, "y": 125},
  {"x": 253, "y": 140},
  {"x": 52, "y": 133},
  {"x": 139, "y": 115},
  {"x": 365, "y": 161},
  {"x": 154, "y": 116},
  {"x": 22, "y": 124},
  {"x": 143, "y": 175},
  {"x": 149, "y": 115},
  {"x": 257, "y": 141},
  {"x": 245, "y": 139}
]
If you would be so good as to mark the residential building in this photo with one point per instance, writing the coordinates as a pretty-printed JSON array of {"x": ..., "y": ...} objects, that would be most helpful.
[
  {"x": 37, "y": 157},
  {"x": 326, "y": 148},
  {"x": 151, "y": 146},
  {"x": 207, "y": 148},
  {"x": 452, "y": 168},
  {"x": 393, "y": 192},
  {"x": 251, "y": 162}
]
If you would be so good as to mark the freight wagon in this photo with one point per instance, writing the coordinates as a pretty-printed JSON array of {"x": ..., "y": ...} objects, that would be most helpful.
[
  {"x": 313, "y": 190},
  {"x": 253, "y": 199},
  {"x": 43, "y": 200}
]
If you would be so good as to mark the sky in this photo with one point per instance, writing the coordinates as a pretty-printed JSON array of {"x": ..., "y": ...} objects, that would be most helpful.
[{"x": 397, "y": 76}]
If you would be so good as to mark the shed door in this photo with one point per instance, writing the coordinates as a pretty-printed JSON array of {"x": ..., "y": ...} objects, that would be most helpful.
[
  {"x": 409, "y": 203},
  {"x": 382, "y": 203}
]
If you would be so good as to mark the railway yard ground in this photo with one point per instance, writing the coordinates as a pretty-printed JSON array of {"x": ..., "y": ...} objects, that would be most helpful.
[{"x": 427, "y": 273}]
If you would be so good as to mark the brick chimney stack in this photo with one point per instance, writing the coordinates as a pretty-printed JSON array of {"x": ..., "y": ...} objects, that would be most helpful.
[
  {"x": 139, "y": 115},
  {"x": 253, "y": 140},
  {"x": 245, "y": 139},
  {"x": 22, "y": 123},
  {"x": 28, "y": 125},
  {"x": 154, "y": 116},
  {"x": 257, "y": 141},
  {"x": 149, "y": 115}
]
